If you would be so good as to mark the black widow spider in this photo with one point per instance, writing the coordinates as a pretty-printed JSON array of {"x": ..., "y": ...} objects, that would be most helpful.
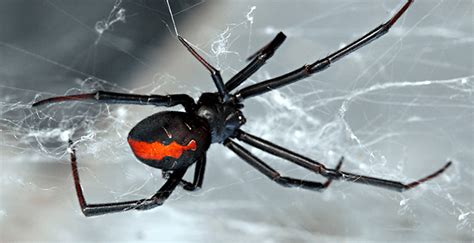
[{"x": 173, "y": 141}]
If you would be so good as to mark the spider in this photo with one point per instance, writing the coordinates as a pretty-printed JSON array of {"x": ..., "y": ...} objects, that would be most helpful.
[{"x": 173, "y": 141}]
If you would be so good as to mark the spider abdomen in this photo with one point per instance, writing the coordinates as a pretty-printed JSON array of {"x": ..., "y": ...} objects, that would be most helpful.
[{"x": 170, "y": 140}]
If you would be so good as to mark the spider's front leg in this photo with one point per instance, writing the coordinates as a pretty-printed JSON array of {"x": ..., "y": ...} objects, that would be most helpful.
[
  {"x": 215, "y": 73},
  {"x": 105, "y": 208},
  {"x": 257, "y": 60},
  {"x": 321, "y": 64}
]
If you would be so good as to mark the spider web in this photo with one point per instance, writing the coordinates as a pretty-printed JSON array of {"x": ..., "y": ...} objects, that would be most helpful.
[{"x": 396, "y": 109}]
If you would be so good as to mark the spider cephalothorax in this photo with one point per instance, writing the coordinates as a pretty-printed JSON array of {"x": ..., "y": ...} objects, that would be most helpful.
[
  {"x": 173, "y": 141},
  {"x": 223, "y": 118}
]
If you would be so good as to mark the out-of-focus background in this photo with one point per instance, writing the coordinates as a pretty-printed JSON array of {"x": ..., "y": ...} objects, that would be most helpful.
[{"x": 397, "y": 109}]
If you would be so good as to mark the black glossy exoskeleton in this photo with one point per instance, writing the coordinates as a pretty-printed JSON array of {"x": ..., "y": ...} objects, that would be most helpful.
[
  {"x": 173, "y": 141},
  {"x": 170, "y": 140}
]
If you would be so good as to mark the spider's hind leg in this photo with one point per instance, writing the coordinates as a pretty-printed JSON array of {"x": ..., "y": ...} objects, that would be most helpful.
[
  {"x": 122, "y": 98},
  {"x": 198, "y": 176},
  {"x": 114, "y": 207},
  {"x": 327, "y": 172},
  {"x": 338, "y": 167},
  {"x": 273, "y": 174}
]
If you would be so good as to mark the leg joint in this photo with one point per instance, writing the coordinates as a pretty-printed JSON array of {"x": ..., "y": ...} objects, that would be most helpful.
[{"x": 283, "y": 181}]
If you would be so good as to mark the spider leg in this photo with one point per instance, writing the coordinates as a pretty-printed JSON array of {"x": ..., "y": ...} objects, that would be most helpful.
[
  {"x": 257, "y": 61},
  {"x": 215, "y": 74},
  {"x": 273, "y": 174},
  {"x": 198, "y": 176},
  {"x": 326, "y": 172},
  {"x": 121, "y": 98},
  {"x": 321, "y": 64},
  {"x": 105, "y": 208}
]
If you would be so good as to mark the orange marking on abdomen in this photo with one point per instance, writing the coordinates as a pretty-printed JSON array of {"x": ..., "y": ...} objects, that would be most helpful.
[{"x": 157, "y": 150}]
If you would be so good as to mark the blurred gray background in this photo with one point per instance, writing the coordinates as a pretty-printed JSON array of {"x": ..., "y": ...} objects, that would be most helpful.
[{"x": 397, "y": 109}]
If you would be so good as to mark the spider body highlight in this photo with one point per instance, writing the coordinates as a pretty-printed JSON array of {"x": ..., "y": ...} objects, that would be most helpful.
[{"x": 173, "y": 141}]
